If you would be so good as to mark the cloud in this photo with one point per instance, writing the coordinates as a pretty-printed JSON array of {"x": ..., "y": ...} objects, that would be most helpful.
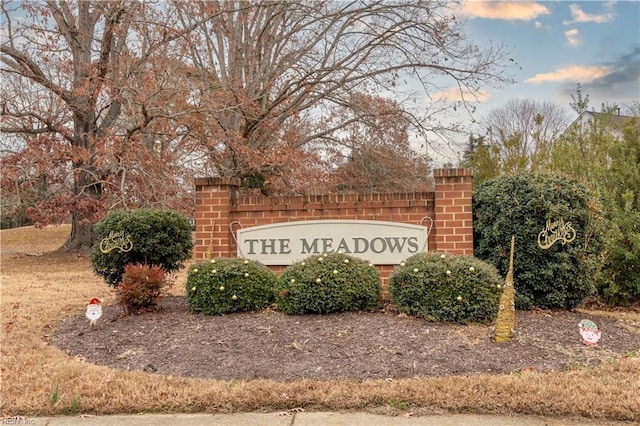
[
  {"x": 510, "y": 11},
  {"x": 575, "y": 73},
  {"x": 572, "y": 37},
  {"x": 454, "y": 95},
  {"x": 622, "y": 81},
  {"x": 617, "y": 81},
  {"x": 579, "y": 15}
]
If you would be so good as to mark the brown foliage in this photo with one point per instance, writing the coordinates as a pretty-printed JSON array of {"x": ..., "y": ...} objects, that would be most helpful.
[
  {"x": 377, "y": 156},
  {"x": 281, "y": 84},
  {"x": 88, "y": 99},
  {"x": 141, "y": 288},
  {"x": 130, "y": 99}
]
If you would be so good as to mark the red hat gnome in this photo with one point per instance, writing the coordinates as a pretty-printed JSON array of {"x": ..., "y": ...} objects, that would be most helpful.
[{"x": 94, "y": 310}]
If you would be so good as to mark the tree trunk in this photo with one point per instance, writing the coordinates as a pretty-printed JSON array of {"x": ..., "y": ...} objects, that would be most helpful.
[
  {"x": 82, "y": 235},
  {"x": 88, "y": 191}
]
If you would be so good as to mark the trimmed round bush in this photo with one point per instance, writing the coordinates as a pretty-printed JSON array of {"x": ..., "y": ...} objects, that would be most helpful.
[
  {"x": 559, "y": 277},
  {"x": 147, "y": 237},
  {"x": 226, "y": 285},
  {"x": 328, "y": 283},
  {"x": 440, "y": 287}
]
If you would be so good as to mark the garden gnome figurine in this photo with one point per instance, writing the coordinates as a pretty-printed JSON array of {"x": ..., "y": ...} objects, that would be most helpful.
[
  {"x": 506, "y": 320},
  {"x": 94, "y": 310},
  {"x": 589, "y": 332}
]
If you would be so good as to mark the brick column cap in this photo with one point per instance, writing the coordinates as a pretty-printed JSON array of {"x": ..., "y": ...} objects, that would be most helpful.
[
  {"x": 452, "y": 172},
  {"x": 217, "y": 181}
]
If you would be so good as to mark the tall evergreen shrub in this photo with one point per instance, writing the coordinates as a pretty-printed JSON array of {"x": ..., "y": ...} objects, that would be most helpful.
[{"x": 561, "y": 276}]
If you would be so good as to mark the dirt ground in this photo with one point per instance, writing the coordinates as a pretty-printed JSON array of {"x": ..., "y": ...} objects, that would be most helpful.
[{"x": 348, "y": 346}]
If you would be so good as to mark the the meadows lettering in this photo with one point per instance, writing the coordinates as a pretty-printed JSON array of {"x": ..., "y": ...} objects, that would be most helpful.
[
  {"x": 355, "y": 245},
  {"x": 556, "y": 231},
  {"x": 116, "y": 240}
]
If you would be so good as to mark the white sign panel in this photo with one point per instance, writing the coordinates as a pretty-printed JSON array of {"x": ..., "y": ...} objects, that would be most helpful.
[{"x": 381, "y": 243}]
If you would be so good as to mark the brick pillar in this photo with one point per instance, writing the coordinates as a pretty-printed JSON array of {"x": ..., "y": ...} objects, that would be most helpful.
[
  {"x": 453, "y": 223},
  {"x": 214, "y": 200}
]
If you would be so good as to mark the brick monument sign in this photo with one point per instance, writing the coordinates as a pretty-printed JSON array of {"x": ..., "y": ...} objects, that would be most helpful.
[{"x": 382, "y": 228}]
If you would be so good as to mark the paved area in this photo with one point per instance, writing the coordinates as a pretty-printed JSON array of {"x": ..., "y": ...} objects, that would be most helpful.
[{"x": 302, "y": 419}]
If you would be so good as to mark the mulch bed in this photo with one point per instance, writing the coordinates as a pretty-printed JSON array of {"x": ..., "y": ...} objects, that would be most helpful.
[{"x": 354, "y": 346}]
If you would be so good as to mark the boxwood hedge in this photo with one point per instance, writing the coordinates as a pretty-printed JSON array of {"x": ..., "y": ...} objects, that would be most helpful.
[
  {"x": 328, "y": 283},
  {"x": 446, "y": 288}
]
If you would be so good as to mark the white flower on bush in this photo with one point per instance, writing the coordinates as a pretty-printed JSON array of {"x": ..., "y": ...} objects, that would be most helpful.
[
  {"x": 335, "y": 272},
  {"x": 448, "y": 272},
  {"x": 471, "y": 269},
  {"x": 346, "y": 261},
  {"x": 246, "y": 275},
  {"x": 234, "y": 297},
  {"x": 459, "y": 298},
  {"x": 221, "y": 288},
  {"x": 193, "y": 288},
  {"x": 293, "y": 280},
  {"x": 318, "y": 280},
  {"x": 402, "y": 264},
  {"x": 415, "y": 269},
  {"x": 212, "y": 261}
]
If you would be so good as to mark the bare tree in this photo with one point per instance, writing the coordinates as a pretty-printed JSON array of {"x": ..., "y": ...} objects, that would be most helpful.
[
  {"x": 524, "y": 132},
  {"x": 273, "y": 71},
  {"x": 134, "y": 94}
]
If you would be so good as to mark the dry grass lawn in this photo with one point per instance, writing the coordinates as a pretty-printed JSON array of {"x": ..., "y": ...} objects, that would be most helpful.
[{"x": 38, "y": 291}]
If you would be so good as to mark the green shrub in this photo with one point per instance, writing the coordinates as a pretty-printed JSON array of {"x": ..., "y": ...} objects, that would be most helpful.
[
  {"x": 561, "y": 276},
  {"x": 141, "y": 288},
  {"x": 446, "y": 288},
  {"x": 328, "y": 283},
  {"x": 149, "y": 237},
  {"x": 620, "y": 284},
  {"x": 227, "y": 285}
]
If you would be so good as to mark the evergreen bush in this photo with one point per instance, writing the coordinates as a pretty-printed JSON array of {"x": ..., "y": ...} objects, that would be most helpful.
[
  {"x": 560, "y": 276},
  {"x": 148, "y": 237},
  {"x": 446, "y": 288},
  {"x": 620, "y": 284},
  {"x": 621, "y": 279},
  {"x": 226, "y": 285},
  {"x": 328, "y": 283}
]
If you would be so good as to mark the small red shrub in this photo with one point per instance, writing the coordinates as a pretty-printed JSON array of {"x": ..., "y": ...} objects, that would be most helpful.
[{"x": 141, "y": 288}]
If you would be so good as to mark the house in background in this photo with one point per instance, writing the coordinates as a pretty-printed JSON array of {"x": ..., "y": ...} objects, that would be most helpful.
[{"x": 614, "y": 123}]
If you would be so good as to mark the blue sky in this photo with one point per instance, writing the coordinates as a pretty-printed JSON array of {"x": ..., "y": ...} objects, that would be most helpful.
[
  {"x": 559, "y": 44},
  {"x": 556, "y": 45}
]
